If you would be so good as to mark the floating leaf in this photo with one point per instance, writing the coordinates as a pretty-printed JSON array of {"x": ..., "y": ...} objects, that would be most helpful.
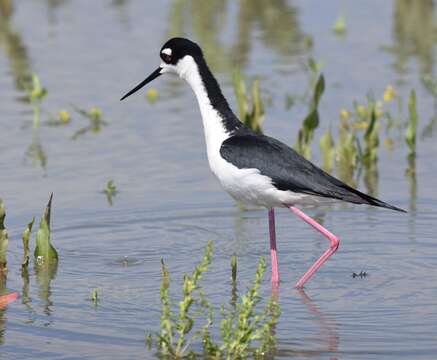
[
  {"x": 26, "y": 237},
  {"x": 3, "y": 239},
  {"x": 45, "y": 253}
]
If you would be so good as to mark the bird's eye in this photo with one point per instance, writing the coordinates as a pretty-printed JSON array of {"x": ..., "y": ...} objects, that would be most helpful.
[{"x": 166, "y": 58}]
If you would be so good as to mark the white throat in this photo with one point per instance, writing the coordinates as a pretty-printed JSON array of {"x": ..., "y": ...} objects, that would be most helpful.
[{"x": 215, "y": 132}]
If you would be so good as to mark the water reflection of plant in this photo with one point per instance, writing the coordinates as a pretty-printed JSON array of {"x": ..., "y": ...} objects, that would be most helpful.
[
  {"x": 96, "y": 122},
  {"x": 413, "y": 34},
  {"x": 206, "y": 21},
  {"x": 14, "y": 47}
]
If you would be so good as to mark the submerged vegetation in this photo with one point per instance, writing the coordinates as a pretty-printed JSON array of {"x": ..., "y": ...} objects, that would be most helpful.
[{"x": 244, "y": 329}]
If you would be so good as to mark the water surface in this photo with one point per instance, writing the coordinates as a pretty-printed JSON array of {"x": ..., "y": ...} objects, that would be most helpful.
[{"x": 88, "y": 54}]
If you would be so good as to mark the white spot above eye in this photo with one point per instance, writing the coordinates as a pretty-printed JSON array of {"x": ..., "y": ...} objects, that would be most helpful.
[{"x": 166, "y": 51}]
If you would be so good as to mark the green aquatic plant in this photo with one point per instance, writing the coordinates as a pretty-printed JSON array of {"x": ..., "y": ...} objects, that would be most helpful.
[
  {"x": 346, "y": 153},
  {"x": 45, "y": 253},
  {"x": 95, "y": 298},
  {"x": 95, "y": 117},
  {"x": 234, "y": 267},
  {"x": 327, "y": 148},
  {"x": 251, "y": 111},
  {"x": 243, "y": 326},
  {"x": 110, "y": 191},
  {"x": 410, "y": 134},
  {"x": 311, "y": 121},
  {"x": 176, "y": 327},
  {"x": 371, "y": 139},
  {"x": 26, "y": 237},
  {"x": 244, "y": 330},
  {"x": 3, "y": 239},
  {"x": 36, "y": 92},
  {"x": 339, "y": 27},
  {"x": 62, "y": 118},
  {"x": 152, "y": 95}
]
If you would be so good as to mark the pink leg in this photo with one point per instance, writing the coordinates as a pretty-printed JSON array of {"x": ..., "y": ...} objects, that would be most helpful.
[
  {"x": 335, "y": 242},
  {"x": 275, "y": 272}
]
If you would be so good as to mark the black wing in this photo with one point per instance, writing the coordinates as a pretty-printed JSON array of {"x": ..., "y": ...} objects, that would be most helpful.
[{"x": 289, "y": 170}]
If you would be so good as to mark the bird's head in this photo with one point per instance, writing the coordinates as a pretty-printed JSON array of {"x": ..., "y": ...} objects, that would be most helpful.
[{"x": 177, "y": 56}]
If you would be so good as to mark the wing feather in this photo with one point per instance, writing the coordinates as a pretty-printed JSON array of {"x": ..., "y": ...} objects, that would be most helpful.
[{"x": 289, "y": 170}]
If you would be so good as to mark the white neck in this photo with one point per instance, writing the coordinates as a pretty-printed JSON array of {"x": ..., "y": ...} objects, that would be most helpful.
[{"x": 215, "y": 132}]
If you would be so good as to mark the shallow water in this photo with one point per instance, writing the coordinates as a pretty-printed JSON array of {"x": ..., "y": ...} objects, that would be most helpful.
[{"x": 88, "y": 54}]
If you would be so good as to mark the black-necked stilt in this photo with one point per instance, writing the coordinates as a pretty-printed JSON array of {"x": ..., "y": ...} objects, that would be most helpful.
[{"x": 254, "y": 168}]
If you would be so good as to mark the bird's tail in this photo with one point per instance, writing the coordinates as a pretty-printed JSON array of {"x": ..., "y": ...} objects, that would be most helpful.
[{"x": 362, "y": 198}]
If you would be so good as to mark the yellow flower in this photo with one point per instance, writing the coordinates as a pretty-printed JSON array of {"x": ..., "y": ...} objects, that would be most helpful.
[
  {"x": 389, "y": 93},
  {"x": 362, "y": 110},
  {"x": 64, "y": 116},
  {"x": 344, "y": 114},
  {"x": 152, "y": 95}
]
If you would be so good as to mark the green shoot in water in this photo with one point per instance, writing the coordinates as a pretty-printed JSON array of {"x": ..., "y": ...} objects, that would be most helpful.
[
  {"x": 45, "y": 253},
  {"x": 26, "y": 238},
  {"x": 36, "y": 93},
  {"x": 3, "y": 239},
  {"x": 371, "y": 138},
  {"x": 339, "y": 27},
  {"x": 152, "y": 95},
  {"x": 245, "y": 326},
  {"x": 254, "y": 116},
  {"x": 410, "y": 134},
  {"x": 95, "y": 117},
  {"x": 327, "y": 147},
  {"x": 95, "y": 297},
  {"x": 110, "y": 191},
  {"x": 234, "y": 268},
  {"x": 242, "y": 326},
  {"x": 311, "y": 122}
]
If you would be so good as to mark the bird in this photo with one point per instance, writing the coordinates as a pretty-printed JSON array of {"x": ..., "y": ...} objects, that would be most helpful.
[{"x": 254, "y": 168}]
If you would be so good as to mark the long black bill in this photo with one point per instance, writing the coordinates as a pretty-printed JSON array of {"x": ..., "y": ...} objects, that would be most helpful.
[{"x": 152, "y": 76}]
